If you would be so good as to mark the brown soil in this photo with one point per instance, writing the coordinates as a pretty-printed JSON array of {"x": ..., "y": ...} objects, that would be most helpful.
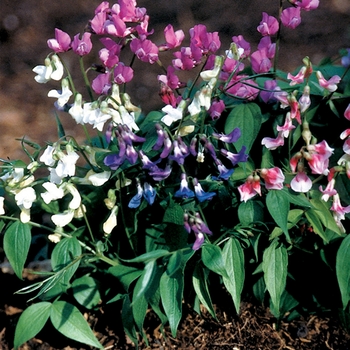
[{"x": 25, "y": 25}]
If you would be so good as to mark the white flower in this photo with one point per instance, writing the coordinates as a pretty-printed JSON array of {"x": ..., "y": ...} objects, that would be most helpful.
[
  {"x": 207, "y": 75},
  {"x": 128, "y": 118},
  {"x": 77, "y": 111},
  {"x": 25, "y": 197},
  {"x": 202, "y": 98},
  {"x": 76, "y": 200},
  {"x": 2, "y": 210},
  {"x": 43, "y": 72},
  {"x": 172, "y": 114},
  {"x": 111, "y": 222},
  {"x": 62, "y": 95},
  {"x": 58, "y": 71},
  {"x": 93, "y": 115},
  {"x": 52, "y": 192},
  {"x": 47, "y": 156},
  {"x": 98, "y": 179},
  {"x": 54, "y": 238},
  {"x": 66, "y": 164},
  {"x": 63, "y": 219}
]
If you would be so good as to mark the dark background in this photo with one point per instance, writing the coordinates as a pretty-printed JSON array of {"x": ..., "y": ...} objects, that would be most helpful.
[{"x": 25, "y": 26}]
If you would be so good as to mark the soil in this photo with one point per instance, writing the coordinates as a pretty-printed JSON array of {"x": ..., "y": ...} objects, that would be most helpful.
[{"x": 25, "y": 25}]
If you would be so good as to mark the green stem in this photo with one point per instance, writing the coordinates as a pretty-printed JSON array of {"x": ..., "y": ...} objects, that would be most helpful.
[{"x": 86, "y": 80}]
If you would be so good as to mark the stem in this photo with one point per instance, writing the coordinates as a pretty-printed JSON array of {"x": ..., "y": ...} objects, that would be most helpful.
[
  {"x": 86, "y": 80},
  {"x": 278, "y": 38}
]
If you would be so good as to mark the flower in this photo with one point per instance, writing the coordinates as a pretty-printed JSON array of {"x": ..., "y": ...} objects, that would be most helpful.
[
  {"x": 273, "y": 178},
  {"x": 290, "y": 17},
  {"x": 82, "y": 46},
  {"x": 111, "y": 222},
  {"x": 331, "y": 84},
  {"x": 233, "y": 136},
  {"x": 301, "y": 182},
  {"x": 63, "y": 95},
  {"x": 145, "y": 50},
  {"x": 268, "y": 25},
  {"x": 184, "y": 191},
  {"x": 173, "y": 39},
  {"x": 61, "y": 43},
  {"x": 200, "y": 193},
  {"x": 250, "y": 188}
]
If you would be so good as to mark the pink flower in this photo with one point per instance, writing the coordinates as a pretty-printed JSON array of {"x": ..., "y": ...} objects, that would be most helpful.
[
  {"x": 123, "y": 74},
  {"x": 298, "y": 78},
  {"x": 268, "y": 25},
  {"x": 173, "y": 39},
  {"x": 347, "y": 112},
  {"x": 294, "y": 108},
  {"x": 110, "y": 54},
  {"x": 271, "y": 143},
  {"x": 260, "y": 62},
  {"x": 82, "y": 46},
  {"x": 290, "y": 17},
  {"x": 207, "y": 42},
  {"x": 328, "y": 191},
  {"x": 242, "y": 44},
  {"x": 272, "y": 92},
  {"x": 266, "y": 45},
  {"x": 308, "y": 5},
  {"x": 102, "y": 84},
  {"x": 250, "y": 188},
  {"x": 171, "y": 79},
  {"x": 187, "y": 58},
  {"x": 331, "y": 84},
  {"x": 238, "y": 88},
  {"x": 301, "y": 182},
  {"x": 304, "y": 100},
  {"x": 61, "y": 43},
  {"x": 98, "y": 23},
  {"x": 145, "y": 50},
  {"x": 114, "y": 25},
  {"x": 273, "y": 178},
  {"x": 339, "y": 211},
  {"x": 286, "y": 127},
  {"x": 318, "y": 157},
  {"x": 216, "y": 108}
]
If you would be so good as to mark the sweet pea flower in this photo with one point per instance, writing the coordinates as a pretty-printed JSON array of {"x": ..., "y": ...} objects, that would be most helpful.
[
  {"x": 207, "y": 42},
  {"x": 260, "y": 62},
  {"x": 305, "y": 101},
  {"x": 301, "y": 182},
  {"x": 318, "y": 157},
  {"x": 149, "y": 193},
  {"x": 307, "y": 5},
  {"x": 187, "y": 58},
  {"x": 347, "y": 112},
  {"x": 111, "y": 222},
  {"x": 63, "y": 219},
  {"x": 328, "y": 191},
  {"x": 53, "y": 192},
  {"x": 61, "y": 95},
  {"x": 173, "y": 39},
  {"x": 216, "y": 109},
  {"x": 235, "y": 158},
  {"x": 200, "y": 193},
  {"x": 290, "y": 17},
  {"x": 339, "y": 211},
  {"x": 25, "y": 199},
  {"x": 331, "y": 84},
  {"x": 224, "y": 173},
  {"x": 170, "y": 79},
  {"x": 271, "y": 143},
  {"x": 82, "y": 46},
  {"x": 102, "y": 83},
  {"x": 145, "y": 50},
  {"x": 266, "y": 45},
  {"x": 172, "y": 114},
  {"x": 345, "y": 60},
  {"x": 250, "y": 188},
  {"x": 233, "y": 136},
  {"x": 61, "y": 43},
  {"x": 268, "y": 25},
  {"x": 184, "y": 191},
  {"x": 109, "y": 55},
  {"x": 243, "y": 44},
  {"x": 273, "y": 178},
  {"x": 159, "y": 174},
  {"x": 123, "y": 74}
]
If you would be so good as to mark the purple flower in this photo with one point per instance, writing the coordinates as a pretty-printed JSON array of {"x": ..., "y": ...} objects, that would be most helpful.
[
  {"x": 136, "y": 200},
  {"x": 236, "y": 158},
  {"x": 147, "y": 163},
  {"x": 233, "y": 136},
  {"x": 114, "y": 161},
  {"x": 82, "y": 46},
  {"x": 160, "y": 174},
  {"x": 131, "y": 154},
  {"x": 200, "y": 193},
  {"x": 184, "y": 191},
  {"x": 224, "y": 173},
  {"x": 178, "y": 156}
]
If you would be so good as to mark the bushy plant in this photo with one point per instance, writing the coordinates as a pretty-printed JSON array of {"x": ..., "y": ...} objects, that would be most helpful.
[{"x": 241, "y": 180}]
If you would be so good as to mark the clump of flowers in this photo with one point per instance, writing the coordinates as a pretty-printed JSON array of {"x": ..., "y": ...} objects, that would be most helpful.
[{"x": 235, "y": 157}]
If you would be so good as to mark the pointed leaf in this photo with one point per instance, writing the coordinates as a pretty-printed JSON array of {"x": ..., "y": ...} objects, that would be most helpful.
[
  {"x": 68, "y": 320},
  {"x": 234, "y": 263},
  {"x": 274, "y": 265},
  {"x": 247, "y": 117},
  {"x": 343, "y": 270},
  {"x": 125, "y": 274},
  {"x": 128, "y": 320},
  {"x": 139, "y": 302},
  {"x": 86, "y": 292},
  {"x": 16, "y": 245},
  {"x": 31, "y": 322},
  {"x": 213, "y": 260}
]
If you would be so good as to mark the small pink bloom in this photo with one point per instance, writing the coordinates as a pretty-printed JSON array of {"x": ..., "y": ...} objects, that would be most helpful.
[
  {"x": 272, "y": 92},
  {"x": 328, "y": 191},
  {"x": 173, "y": 39},
  {"x": 346, "y": 146},
  {"x": 123, "y": 74},
  {"x": 171, "y": 79},
  {"x": 110, "y": 54},
  {"x": 145, "y": 50},
  {"x": 268, "y": 25},
  {"x": 82, "y": 46},
  {"x": 294, "y": 108},
  {"x": 271, "y": 143},
  {"x": 238, "y": 88},
  {"x": 98, "y": 23},
  {"x": 304, "y": 100},
  {"x": 242, "y": 44},
  {"x": 301, "y": 182},
  {"x": 286, "y": 127},
  {"x": 266, "y": 45},
  {"x": 273, "y": 178},
  {"x": 345, "y": 134},
  {"x": 290, "y": 17},
  {"x": 207, "y": 42},
  {"x": 187, "y": 58},
  {"x": 331, "y": 84},
  {"x": 339, "y": 210},
  {"x": 293, "y": 162},
  {"x": 298, "y": 78},
  {"x": 250, "y": 188},
  {"x": 260, "y": 62},
  {"x": 102, "y": 84},
  {"x": 61, "y": 43},
  {"x": 347, "y": 112},
  {"x": 308, "y": 5}
]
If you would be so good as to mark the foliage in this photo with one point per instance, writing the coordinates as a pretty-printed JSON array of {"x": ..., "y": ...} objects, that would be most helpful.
[{"x": 241, "y": 180}]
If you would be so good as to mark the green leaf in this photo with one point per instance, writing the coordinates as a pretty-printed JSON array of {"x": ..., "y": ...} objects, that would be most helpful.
[
  {"x": 64, "y": 254},
  {"x": 174, "y": 214},
  {"x": 316, "y": 224},
  {"x": 16, "y": 245},
  {"x": 153, "y": 255},
  {"x": 31, "y": 322},
  {"x": 128, "y": 320},
  {"x": 125, "y": 274},
  {"x": 250, "y": 212},
  {"x": 86, "y": 292},
  {"x": 247, "y": 117},
  {"x": 68, "y": 320},
  {"x": 212, "y": 258},
  {"x": 343, "y": 270},
  {"x": 200, "y": 285},
  {"x": 171, "y": 292},
  {"x": 139, "y": 302},
  {"x": 234, "y": 263},
  {"x": 274, "y": 265},
  {"x": 60, "y": 129},
  {"x": 278, "y": 206}
]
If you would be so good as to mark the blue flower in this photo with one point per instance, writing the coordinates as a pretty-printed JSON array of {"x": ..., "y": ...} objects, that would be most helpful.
[
  {"x": 236, "y": 158},
  {"x": 224, "y": 173},
  {"x": 184, "y": 191},
  {"x": 200, "y": 193},
  {"x": 136, "y": 200},
  {"x": 149, "y": 193}
]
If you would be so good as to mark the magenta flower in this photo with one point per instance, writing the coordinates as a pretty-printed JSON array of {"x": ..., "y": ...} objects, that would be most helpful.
[
  {"x": 61, "y": 43},
  {"x": 272, "y": 92},
  {"x": 268, "y": 25},
  {"x": 110, "y": 54},
  {"x": 82, "y": 46},
  {"x": 242, "y": 44},
  {"x": 286, "y": 127},
  {"x": 187, "y": 58},
  {"x": 347, "y": 112},
  {"x": 144, "y": 50},
  {"x": 301, "y": 182},
  {"x": 331, "y": 84},
  {"x": 216, "y": 108},
  {"x": 115, "y": 26},
  {"x": 173, "y": 39},
  {"x": 273, "y": 178},
  {"x": 123, "y": 74},
  {"x": 102, "y": 84},
  {"x": 290, "y": 17},
  {"x": 308, "y": 5},
  {"x": 207, "y": 42},
  {"x": 170, "y": 79},
  {"x": 238, "y": 88},
  {"x": 266, "y": 45},
  {"x": 260, "y": 62}
]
